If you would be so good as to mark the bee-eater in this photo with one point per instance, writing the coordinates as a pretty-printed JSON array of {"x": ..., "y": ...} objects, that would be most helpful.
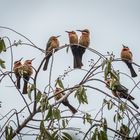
[
  {"x": 65, "y": 102},
  {"x": 84, "y": 40},
  {"x": 120, "y": 91},
  {"x": 126, "y": 56},
  {"x": 17, "y": 70},
  {"x": 52, "y": 43},
  {"x": 73, "y": 40},
  {"x": 27, "y": 72}
]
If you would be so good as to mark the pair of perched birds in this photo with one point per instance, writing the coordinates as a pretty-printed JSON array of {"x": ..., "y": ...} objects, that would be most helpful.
[
  {"x": 117, "y": 89},
  {"x": 24, "y": 70}
]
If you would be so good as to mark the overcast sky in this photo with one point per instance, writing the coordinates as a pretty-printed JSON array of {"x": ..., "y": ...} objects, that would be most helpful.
[{"x": 111, "y": 24}]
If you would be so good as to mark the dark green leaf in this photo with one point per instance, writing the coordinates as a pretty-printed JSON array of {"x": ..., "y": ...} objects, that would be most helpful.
[
  {"x": 30, "y": 89},
  {"x": 63, "y": 124},
  {"x": 38, "y": 96},
  {"x": 54, "y": 134},
  {"x": 56, "y": 113},
  {"x": 6, "y": 132},
  {"x": 103, "y": 135},
  {"x": 67, "y": 136},
  {"x": 99, "y": 136},
  {"x": 94, "y": 136},
  {"x": 2, "y": 45},
  {"x": 59, "y": 82},
  {"x": 81, "y": 95},
  {"x": 114, "y": 118},
  {"x": 50, "y": 113},
  {"x": 105, "y": 124},
  {"x": 2, "y": 64},
  {"x": 103, "y": 64}
]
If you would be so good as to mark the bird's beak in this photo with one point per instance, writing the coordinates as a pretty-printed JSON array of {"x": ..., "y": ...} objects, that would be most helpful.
[
  {"x": 58, "y": 36},
  {"x": 32, "y": 59},
  {"x": 79, "y": 30},
  {"x": 67, "y": 31},
  {"x": 20, "y": 59},
  {"x": 123, "y": 46}
]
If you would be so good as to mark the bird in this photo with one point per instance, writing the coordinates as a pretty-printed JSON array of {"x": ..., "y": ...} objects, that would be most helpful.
[
  {"x": 27, "y": 72},
  {"x": 84, "y": 41},
  {"x": 120, "y": 91},
  {"x": 17, "y": 70},
  {"x": 58, "y": 94},
  {"x": 52, "y": 43},
  {"x": 126, "y": 56},
  {"x": 73, "y": 40}
]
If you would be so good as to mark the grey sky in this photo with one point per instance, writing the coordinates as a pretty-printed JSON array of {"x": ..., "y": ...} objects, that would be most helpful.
[{"x": 111, "y": 23}]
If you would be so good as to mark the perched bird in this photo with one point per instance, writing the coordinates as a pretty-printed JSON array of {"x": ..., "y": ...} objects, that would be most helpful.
[
  {"x": 27, "y": 72},
  {"x": 73, "y": 39},
  {"x": 65, "y": 102},
  {"x": 52, "y": 43},
  {"x": 126, "y": 56},
  {"x": 120, "y": 91},
  {"x": 84, "y": 40},
  {"x": 17, "y": 70}
]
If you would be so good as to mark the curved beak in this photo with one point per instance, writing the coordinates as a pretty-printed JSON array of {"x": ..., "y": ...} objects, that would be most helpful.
[
  {"x": 67, "y": 32},
  {"x": 58, "y": 36},
  {"x": 79, "y": 30},
  {"x": 20, "y": 59},
  {"x": 123, "y": 46},
  {"x": 32, "y": 59}
]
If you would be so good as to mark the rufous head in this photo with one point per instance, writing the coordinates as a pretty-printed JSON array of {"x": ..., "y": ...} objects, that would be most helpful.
[{"x": 29, "y": 61}]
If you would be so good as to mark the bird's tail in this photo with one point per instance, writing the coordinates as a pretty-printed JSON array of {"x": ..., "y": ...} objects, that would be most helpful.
[
  {"x": 46, "y": 62},
  {"x": 77, "y": 62},
  {"x": 18, "y": 82},
  {"x": 73, "y": 110},
  {"x": 135, "y": 105},
  {"x": 26, "y": 79},
  {"x": 66, "y": 103},
  {"x": 132, "y": 71}
]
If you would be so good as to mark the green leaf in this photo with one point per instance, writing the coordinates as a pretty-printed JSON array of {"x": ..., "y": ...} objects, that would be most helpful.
[
  {"x": 99, "y": 136},
  {"x": 104, "y": 124},
  {"x": 124, "y": 130},
  {"x": 94, "y": 136},
  {"x": 44, "y": 103},
  {"x": 103, "y": 64},
  {"x": 2, "y": 45},
  {"x": 50, "y": 112},
  {"x": 54, "y": 134},
  {"x": 103, "y": 135},
  {"x": 42, "y": 126},
  {"x": 2, "y": 64},
  {"x": 63, "y": 124},
  {"x": 114, "y": 118},
  {"x": 6, "y": 132},
  {"x": 110, "y": 105},
  {"x": 38, "y": 96},
  {"x": 30, "y": 89},
  {"x": 56, "y": 113},
  {"x": 10, "y": 133},
  {"x": 59, "y": 82},
  {"x": 67, "y": 136},
  {"x": 81, "y": 95}
]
